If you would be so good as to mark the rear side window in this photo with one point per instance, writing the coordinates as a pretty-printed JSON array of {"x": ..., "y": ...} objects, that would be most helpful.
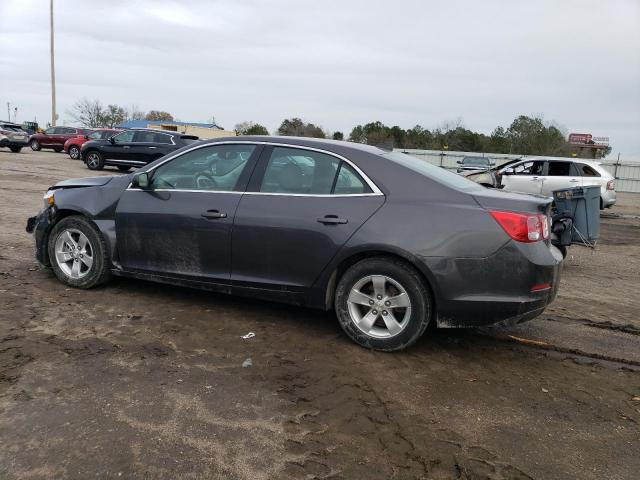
[
  {"x": 561, "y": 169},
  {"x": 144, "y": 137},
  {"x": 293, "y": 170},
  {"x": 587, "y": 171},
  {"x": 349, "y": 182},
  {"x": 161, "y": 138}
]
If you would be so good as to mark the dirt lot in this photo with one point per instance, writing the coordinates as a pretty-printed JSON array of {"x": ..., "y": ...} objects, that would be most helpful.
[{"x": 138, "y": 380}]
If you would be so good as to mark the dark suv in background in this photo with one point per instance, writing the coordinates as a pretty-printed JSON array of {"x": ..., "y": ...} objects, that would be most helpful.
[
  {"x": 132, "y": 148},
  {"x": 54, "y": 137}
]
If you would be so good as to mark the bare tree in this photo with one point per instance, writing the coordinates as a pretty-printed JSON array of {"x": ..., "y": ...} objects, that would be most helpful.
[
  {"x": 88, "y": 113},
  {"x": 134, "y": 113}
]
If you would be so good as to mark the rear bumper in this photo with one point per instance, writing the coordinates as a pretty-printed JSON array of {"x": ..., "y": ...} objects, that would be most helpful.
[
  {"x": 608, "y": 198},
  {"x": 474, "y": 292},
  {"x": 12, "y": 142}
]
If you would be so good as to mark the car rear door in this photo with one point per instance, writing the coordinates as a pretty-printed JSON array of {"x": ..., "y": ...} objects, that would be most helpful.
[
  {"x": 560, "y": 174},
  {"x": 302, "y": 206},
  {"x": 523, "y": 177},
  {"x": 181, "y": 226}
]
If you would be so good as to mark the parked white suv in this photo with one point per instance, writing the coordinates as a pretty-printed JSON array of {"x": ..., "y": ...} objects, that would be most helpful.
[{"x": 543, "y": 176}]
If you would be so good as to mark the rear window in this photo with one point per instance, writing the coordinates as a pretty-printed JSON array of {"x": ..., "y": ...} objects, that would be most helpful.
[{"x": 438, "y": 174}]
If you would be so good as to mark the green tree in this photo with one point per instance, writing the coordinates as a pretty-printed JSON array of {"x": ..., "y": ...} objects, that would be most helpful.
[
  {"x": 338, "y": 136},
  {"x": 250, "y": 128},
  {"x": 113, "y": 115},
  {"x": 296, "y": 127},
  {"x": 159, "y": 115}
]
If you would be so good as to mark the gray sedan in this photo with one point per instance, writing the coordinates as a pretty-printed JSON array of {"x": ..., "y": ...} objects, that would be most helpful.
[{"x": 389, "y": 242}]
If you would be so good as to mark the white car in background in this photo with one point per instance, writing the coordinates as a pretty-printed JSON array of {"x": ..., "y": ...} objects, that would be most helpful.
[{"x": 543, "y": 176}]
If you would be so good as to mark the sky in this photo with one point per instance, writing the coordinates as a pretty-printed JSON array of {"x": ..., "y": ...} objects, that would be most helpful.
[{"x": 334, "y": 63}]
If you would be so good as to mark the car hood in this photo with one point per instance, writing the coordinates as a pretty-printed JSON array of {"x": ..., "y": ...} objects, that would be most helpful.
[{"x": 83, "y": 182}]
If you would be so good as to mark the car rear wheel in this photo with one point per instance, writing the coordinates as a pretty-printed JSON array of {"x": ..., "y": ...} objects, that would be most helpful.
[
  {"x": 15, "y": 149},
  {"x": 57, "y": 149},
  {"x": 78, "y": 253},
  {"x": 74, "y": 152},
  {"x": 383, "y": 304},
  {"x": 124, "y": 168},
  {"x": 35, "y": 145},
  {"x": 95, "y": 160}
]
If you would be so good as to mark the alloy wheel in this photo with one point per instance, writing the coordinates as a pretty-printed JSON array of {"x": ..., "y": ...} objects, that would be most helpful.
[
  {"x": 379, "y": 306},
  {"x": 93, "y": 160},
  {"x": 74, "y": 253},
  {"x": 74, "y": 153}
]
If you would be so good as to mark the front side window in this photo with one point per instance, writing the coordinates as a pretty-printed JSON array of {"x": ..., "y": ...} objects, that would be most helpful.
[
  {"x": 124, "y": 137},
  {"x": 215, "y": 168},
  {"x": 50, "y": 131},
  {"x": 95, "y": 136},
  {"x": 527, "y": 168},
  {"x": 294, "y": 170}
]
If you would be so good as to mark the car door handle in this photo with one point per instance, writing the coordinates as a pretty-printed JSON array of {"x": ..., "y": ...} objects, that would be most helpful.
[
  {"x": 212, "y": 214},
  {"x": 574, "y": 181},
  {"x": 126, "y": 146},
  {"x": 332, "y": 220},
  {"x": 153, "y": 147},
  {"x": 534, "y": 179}
]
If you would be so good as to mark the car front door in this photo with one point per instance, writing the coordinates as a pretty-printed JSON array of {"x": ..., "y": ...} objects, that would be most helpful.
[
  {"x": 119, "y": 145},
  {"x": 48, "y": 137},
  {"x": 181, "y": 225},
  {"x": 523, "y": 177},
  {"x": 559, "y": 175},
  {"x": 301, "y": 207}
]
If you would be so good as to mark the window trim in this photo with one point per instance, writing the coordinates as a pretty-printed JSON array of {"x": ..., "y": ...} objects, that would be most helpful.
[{"x": 375, "y": 191}]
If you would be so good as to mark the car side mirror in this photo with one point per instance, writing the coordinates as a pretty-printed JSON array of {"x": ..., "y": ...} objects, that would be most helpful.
[
  {"x": 141, "y": 180},
  {"x": 86, "y": 137},
  {"x": 111, "y": 140},
  {"x": 459, "y": 162}
]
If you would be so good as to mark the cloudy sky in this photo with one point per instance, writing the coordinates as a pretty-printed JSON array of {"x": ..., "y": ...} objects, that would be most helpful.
[{"x": 335, "y": 63}]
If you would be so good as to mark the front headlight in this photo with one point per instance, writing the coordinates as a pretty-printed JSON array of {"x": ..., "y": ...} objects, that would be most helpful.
[{"x": 49, "y": 199}]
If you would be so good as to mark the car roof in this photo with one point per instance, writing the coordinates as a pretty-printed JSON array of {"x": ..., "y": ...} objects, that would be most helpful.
[{"x": 335, "y": 146}]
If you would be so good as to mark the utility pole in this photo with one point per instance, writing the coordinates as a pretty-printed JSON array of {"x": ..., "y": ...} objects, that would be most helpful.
[
  {"x": 53, "y": 76},
  {"x": 8, "y": 112}
]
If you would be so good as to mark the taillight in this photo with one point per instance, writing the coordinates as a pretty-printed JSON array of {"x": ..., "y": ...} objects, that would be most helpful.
[
  {"x": 611, "y": 185},
  {"x": 523, "y": 227}
]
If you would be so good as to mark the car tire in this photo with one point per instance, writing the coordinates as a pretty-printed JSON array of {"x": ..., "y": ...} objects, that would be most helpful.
[
  {"x": 78, "y": 253},
  {"x": 94, "y": 160},
  {"x": 57, "y": 149},
  {"x": 35, "y": 145},
  {"x": 74, "y": 152},
  {"x": 124, "y": 168},
  {"x": 380, "y": 325},
  {"x": 15, "y": 149}
]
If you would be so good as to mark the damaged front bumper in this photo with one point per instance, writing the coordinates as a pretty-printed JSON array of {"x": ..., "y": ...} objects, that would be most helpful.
[{"x": 39, "y": 226}]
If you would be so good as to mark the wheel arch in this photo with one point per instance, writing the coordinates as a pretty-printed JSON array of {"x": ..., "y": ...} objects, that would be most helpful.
[
  {"x": 61, "y": 214},
  {"x": 345, "y": 263}
]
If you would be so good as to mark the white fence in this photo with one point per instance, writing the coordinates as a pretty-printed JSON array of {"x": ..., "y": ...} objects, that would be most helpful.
[{"x": 626, "y": 173}]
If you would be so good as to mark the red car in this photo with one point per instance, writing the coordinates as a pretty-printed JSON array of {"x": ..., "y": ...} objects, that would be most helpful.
[
  {"x": 72, "y": 146},
  {"x": 54, "y": 137}
]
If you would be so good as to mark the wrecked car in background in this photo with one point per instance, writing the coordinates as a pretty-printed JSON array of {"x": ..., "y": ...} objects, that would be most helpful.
[{"x": 543, "y": 176}]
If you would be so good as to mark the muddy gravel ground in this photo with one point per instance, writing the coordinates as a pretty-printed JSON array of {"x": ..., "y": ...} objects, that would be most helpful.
[{"x": 139, "y": 380}]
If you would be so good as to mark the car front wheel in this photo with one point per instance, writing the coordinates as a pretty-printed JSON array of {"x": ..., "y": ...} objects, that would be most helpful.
[
  {"x": 95, "y": 160},
  {"x": 74, "y": 152},
  {"x": 35, "y": 145},
  {"x": 78, "y": 253},
  {"x": 383, "y": 304}
]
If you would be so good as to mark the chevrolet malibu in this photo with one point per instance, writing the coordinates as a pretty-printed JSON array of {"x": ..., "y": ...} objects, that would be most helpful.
[{"x": 390, "y": 242}]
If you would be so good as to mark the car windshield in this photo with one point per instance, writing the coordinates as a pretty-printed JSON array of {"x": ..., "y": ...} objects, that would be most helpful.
[
  {"x": 431, "y": 171},
  {"x": 10, "y": 127}
]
